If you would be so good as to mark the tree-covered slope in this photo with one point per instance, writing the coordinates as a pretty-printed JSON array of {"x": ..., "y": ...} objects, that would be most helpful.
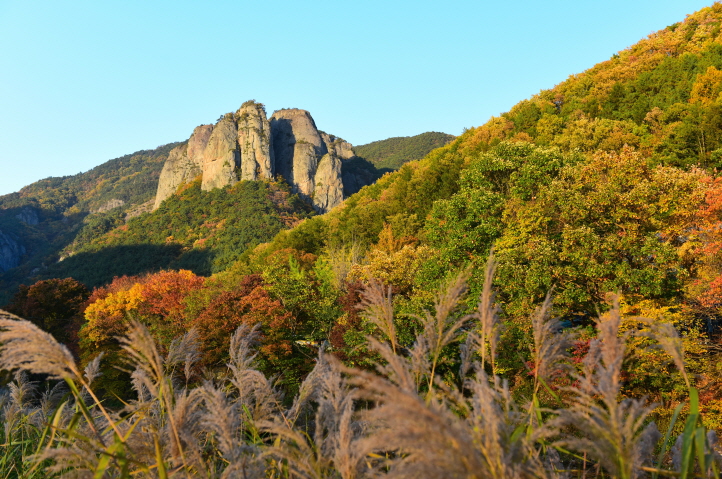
[
  {"x": 43, "y": 218},
  {"x": 652, "y": 110},
  {"x": 394, "y": 152},
  {"x": 203, "y": 231}
]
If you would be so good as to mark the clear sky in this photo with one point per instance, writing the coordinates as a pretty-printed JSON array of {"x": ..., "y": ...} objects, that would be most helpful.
[{"x": 82, "y": 82}]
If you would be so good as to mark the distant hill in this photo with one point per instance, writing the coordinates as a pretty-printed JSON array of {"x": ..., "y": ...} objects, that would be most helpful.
[
  {"x": 41, "y": 219},
  {"x": 394, "y": 152}
]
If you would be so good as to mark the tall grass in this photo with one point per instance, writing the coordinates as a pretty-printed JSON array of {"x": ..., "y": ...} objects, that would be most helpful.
[{"x": 402, "y": 419}]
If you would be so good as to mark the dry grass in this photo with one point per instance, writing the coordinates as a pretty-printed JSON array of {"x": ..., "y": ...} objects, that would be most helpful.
[{"x": 401, "y": 420}]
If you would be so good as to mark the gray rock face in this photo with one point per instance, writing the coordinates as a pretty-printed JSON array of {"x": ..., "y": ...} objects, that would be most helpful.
[
  {"x": 109, "y": 205},
  {"x": 10, "y": 251},
  {"x": 338, "y": 146},
  {"x": 254, "y": 139},
  {"x": 328, "y": 187},
  {"x": 184, "y": 164},
  {"x": 221, "y": 158},
  {"x": 197, "y": 144},
  {"x": 28, "y": 216},
  {"x": 297, "y": 145}
]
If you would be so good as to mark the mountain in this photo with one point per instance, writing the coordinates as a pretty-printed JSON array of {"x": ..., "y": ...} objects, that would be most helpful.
[
  {"x": 41, "y": 219},
  {"x": 248, "y": 146},
  {"x": 95, "y": 222},
  {"x": 392, "y": 153},
  {"x": 635, "y": 138}
]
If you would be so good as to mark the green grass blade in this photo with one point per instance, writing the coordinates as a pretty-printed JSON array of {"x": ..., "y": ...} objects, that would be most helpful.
[
  {"x": 688, "y": 435},
  {"x": 665, "y": 443}
]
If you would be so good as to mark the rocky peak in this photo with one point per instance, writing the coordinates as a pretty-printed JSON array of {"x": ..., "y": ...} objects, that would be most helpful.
[
  {"x": 197, "y": 143},
  {"x": 338, "y": 146},
  {"x": 221, "y": 157},
  {"x": 298, "y": 146},
  {"x": 184, "y": 163},
  {"x": 328, "y": 184},
  {"x": 254, "y": 139},
  {"x": 248, "y": 146}
]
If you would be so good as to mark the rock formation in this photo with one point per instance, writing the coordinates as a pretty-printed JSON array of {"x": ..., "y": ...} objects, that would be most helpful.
[
  {"x": 221, "y": 158},
  {"x": 28, "y": 216},
  {"x": 254, "y": 139},
  {"x": 298, "y": 146},
  {"x": 328, "y": 187},
  {"x": 338, "y": 146},
  {"x": 184, "y": 163},
  {"x": 10, "y": 251},
  {"x": 248, "y": 146}
]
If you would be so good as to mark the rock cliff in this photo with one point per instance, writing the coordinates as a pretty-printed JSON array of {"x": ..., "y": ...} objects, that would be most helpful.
[
  {"x": 254, "y": 139},
  {"x": 11, "y": 251},
  {"x": 221, "y": 158},
  {"x": 249, "y": 146},
  {"x": 328, "y": 184},
  {"x": 184, "y": 163},
  {"x": 298, "y": 146}
]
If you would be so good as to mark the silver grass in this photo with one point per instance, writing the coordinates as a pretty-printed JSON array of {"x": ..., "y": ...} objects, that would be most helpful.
[
  {"x": 337, "y": 434},
  {"x": 494, "y": 421},
  {"x": 487, "y": 313},
  {"x": 550, "y": 343},
  {"x": 143, "y": 386},
  {"x": 378, "y": 308},
  {"x": 70, "y": 462},
  {"x": 142, "y": 353},
  {"x": 402, "y": 426},
  {"x": 223, "y": 420},
  {"x": 255, "y": 391},
  {"x": 442, "y": 328},
  {"x": 27, "y": 347},
  {"x": 92, "y": 370},
  {"x": 187, "y": 416},
  {"x": 17, "y": 408},
  {"x": 297, "y": 453},
  {"x": 668, "y": 339},
  {"x": 224, "y": 415},
  {"x": 50, "y": 399},
  {"x": 612, "y": 432},
  {"x": 184, "y": 350}
]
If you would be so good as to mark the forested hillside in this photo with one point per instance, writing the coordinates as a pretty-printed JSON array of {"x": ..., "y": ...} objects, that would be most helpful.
[
  {"x": 394, "y": 152},
  {"x": 553, "y": 276},
  {"x": 44, "y": 217}
]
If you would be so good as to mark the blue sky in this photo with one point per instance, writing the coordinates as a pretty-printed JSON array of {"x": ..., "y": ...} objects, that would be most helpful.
[{"x": 85, "y": 82}]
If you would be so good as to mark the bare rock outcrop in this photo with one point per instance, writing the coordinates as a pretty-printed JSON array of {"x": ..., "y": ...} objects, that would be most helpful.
[
  {"x": 328, "y": 187},
  {"x": 338, "y": 146},
  {"x": 184, "y": 164},
  {"x": 108, "y": 205},
  {"x": 298, "y": 146},
  {"x": 28, "y": 216},
  {"x": 254, "y": 139},
  {"x": 221, "y": 158},
  {"x": 248, "y": 146},
  {"x": 11, "y": 251}
]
